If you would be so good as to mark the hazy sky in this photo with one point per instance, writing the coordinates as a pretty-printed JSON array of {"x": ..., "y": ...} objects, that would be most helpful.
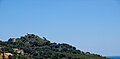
[{"x": 89, "y": 25}]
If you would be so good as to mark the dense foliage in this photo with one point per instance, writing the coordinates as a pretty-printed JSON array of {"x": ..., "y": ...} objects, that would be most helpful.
[{"x": 35, "y": 47}]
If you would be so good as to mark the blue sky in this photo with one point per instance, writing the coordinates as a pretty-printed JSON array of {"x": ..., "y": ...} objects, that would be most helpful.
[{"x": 89, "y": 25}]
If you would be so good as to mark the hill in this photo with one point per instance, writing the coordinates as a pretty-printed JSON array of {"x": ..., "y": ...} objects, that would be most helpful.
[{"x": 32, "y": 46}]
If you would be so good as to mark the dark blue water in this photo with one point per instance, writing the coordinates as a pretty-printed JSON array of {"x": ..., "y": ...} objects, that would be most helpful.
[{"x": 114, "y": 57}]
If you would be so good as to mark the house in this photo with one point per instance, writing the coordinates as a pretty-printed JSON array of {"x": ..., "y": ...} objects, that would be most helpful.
[
  {"x": 6, "y": 55},
  {"x": 18, "y": 50}
]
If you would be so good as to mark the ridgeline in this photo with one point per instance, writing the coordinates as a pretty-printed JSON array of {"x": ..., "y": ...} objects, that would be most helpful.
[{"x": 32, "y": 46}]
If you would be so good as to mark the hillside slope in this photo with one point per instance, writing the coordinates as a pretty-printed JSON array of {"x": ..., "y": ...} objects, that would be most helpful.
[{"x": 32, "y": 46}]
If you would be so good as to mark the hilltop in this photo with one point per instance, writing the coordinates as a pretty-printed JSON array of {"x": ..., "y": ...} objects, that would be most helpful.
[{"x": 32, "y": 46}]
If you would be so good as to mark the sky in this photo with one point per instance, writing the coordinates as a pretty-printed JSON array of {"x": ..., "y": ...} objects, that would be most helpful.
[{"x": 89, "y": 25}]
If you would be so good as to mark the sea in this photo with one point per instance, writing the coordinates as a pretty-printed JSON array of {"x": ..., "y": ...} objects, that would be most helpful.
[{"x": 114, "y": 57}]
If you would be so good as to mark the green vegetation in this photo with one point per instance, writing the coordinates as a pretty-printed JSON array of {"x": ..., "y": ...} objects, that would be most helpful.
[{"x": 35, "y": 47}]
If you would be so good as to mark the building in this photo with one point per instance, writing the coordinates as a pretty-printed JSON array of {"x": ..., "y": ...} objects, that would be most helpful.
[
  {"x": 19, "y": 51},
  {"x": 12, "y": 40},
  {"x": 6, "y": 55}
]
